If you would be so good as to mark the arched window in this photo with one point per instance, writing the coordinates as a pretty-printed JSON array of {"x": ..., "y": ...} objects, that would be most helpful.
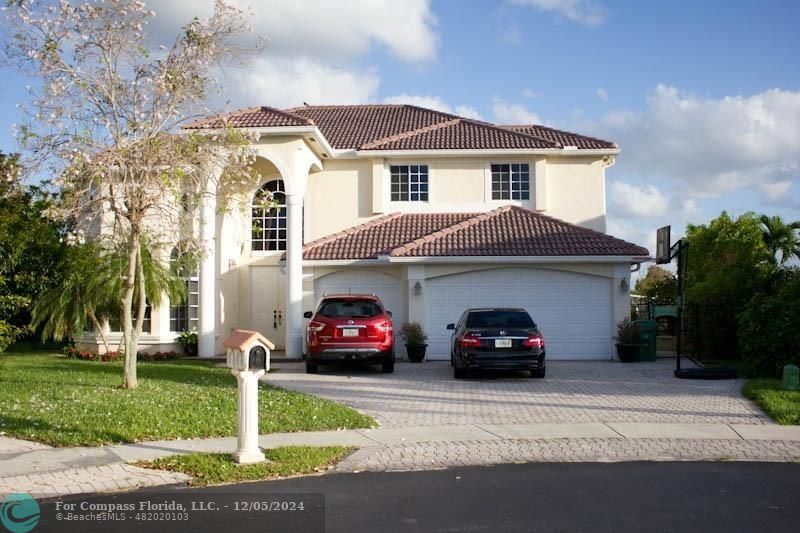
[
  {"x": 184, "y": 316},
  {"x": 269, "y": 217}
]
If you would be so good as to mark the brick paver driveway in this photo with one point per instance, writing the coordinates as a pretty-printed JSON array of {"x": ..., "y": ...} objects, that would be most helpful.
[{"x": 574, "y": 391}]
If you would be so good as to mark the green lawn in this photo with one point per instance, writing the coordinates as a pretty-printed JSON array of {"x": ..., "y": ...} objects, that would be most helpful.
[
  {"x": 782, "y": 405},
  {"x": 217, "y": 468},
  {"x": 67, "y": 402}
]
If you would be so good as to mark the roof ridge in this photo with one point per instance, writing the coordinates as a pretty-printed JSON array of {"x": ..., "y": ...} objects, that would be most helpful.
[
  {"x": 207, "y": 120},
  {"x": 577, "y": 227},
  {"x": 557, "y": 130},
  {"x": 476, "y": 219},
  {"x": 353, "y": 229},
  {"x": 288, "y": 114},
  {"x": 505, "y": 129},
  {"x": 410, "y": 133}
]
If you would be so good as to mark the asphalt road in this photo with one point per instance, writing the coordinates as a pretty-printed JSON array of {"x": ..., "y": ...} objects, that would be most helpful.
[{"x": 618, "y": 497}]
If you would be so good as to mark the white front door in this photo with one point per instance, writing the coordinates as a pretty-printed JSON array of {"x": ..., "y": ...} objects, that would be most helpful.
[
  {"x": 573, "y": 311},
  {"x": 267, "y": 302}
]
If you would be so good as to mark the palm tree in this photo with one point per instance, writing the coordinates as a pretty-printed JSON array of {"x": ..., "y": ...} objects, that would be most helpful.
[
  {"x": 89, "y": 291},
  {"x": 779, "y": 237},
  {"x": 796, "y": 232}
]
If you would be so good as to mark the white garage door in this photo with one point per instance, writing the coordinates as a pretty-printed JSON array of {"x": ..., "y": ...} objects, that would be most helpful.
[
  {"x": 357, "y": 281},
  {"x": 573, "y": 311}
]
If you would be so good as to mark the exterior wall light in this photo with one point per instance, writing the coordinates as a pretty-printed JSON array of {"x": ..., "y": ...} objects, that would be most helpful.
[
  {"x": 418, "y": 288},
  {"x": 623, "y": 285}
]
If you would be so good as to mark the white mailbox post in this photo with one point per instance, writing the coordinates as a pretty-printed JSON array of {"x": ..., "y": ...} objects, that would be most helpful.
[{"x": 248, "y": 358}]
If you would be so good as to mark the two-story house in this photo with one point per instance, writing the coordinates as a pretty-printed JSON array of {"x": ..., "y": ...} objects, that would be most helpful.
[{"x": 430, "y": 211}]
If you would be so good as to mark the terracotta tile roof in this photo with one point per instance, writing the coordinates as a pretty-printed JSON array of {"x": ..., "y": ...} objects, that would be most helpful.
[
  {"x": 460, "y": 134},
  {"x": 506, "y": 231},
  {"x": 380, "y": 236},
  {"x": 253, "y": 117},
  {"x": 564, "y": 138},
  {"x": 402, "y": 127}
]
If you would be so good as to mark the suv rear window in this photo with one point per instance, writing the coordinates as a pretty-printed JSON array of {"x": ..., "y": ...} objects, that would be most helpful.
[
  {"x": 499, "y": 319},
  {"x": 350, "y": 309}
]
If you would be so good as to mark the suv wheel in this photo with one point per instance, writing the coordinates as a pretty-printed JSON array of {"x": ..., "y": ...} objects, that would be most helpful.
[
  {"x": 538, "y": 373},
  {"x": 460, "y": 373},
  {"x": 387, "y": 367},
  {"x": 311, "y": 367}
]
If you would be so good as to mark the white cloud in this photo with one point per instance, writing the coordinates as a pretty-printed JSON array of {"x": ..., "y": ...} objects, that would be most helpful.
[
  {"x": 468, "y": 112},
  {"x": 601, "y": 94},
  {"x": 711, "y": 146},
  {"x": 776, "y": 191},
  {"x": 646, "y": 201},
  {"x": 282, "y": 82},
  {"x": 529, "y": 93},
  {"x": 323, "y": 29},
  {"x": 585, "y": 12},
  {"x": 506, "y": 113},
  {"x": 433, "y": 102}
]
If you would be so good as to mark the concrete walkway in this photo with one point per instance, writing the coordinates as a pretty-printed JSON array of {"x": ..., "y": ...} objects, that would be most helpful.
[{"x": 38, "y": 469}]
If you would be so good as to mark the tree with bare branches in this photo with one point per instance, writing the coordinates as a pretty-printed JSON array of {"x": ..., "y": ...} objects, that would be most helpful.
[{"x": 104, "y": 117}]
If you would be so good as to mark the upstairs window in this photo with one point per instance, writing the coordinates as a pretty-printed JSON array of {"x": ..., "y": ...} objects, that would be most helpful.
[
  {"x": 511, "y": 181},
  {"x": 269, "y": 217},
  {"x": 409, "y": 183}
]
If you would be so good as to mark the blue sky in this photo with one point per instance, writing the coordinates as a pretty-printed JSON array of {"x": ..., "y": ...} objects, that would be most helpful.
[{"x": 703, "y": 97}]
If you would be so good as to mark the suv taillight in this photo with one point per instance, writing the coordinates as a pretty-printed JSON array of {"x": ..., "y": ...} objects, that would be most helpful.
[
  {"x": 534, "y": 340},
  {"x": 383, "y": 326},
  {"x": 469, "y": 340},
  {"x": 315, "y": 327}
]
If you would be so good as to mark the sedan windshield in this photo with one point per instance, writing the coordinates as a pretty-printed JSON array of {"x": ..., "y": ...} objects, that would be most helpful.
[
  {"x": 499, "y": 319},
  {"x": 350, "y": 309}
]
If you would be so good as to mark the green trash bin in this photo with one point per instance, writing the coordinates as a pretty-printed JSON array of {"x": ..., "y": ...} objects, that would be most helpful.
[{"x": 648, "y": 333}]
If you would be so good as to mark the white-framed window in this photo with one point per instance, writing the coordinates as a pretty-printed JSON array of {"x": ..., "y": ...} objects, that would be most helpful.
[
  {"x": 408, "y": 183},
  {"x": 115, "y": 323},
  {"x": 511, "y": 181},
  {"x": 185, "y": 315},
  {"x": 268, "y": 218}
]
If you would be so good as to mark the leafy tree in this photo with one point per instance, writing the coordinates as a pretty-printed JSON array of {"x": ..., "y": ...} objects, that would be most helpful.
[
  {"x": 659, "y": 285},
  {"x": 104, "y": 117},
  {"x": 780, "y": 238},
  {"x": 30, "y": 249},
  {"x": 769, "y": 333},
  {"x": 728, "y": 262}
]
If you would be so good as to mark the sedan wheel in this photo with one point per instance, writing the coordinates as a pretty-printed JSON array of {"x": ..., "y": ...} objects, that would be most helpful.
[{"x": 311, "y": 368}]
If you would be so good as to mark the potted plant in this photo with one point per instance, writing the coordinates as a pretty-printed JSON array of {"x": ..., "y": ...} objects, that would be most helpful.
[
  {"x": 627, "y": 341},
  {"x": 188, "y": 339},
  {"x": 415, "y": 341}
]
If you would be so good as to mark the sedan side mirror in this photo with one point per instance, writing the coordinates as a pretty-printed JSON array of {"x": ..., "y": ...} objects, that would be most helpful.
[
  {"x": 308, "y": 314},
  {"x": 451, "y": 326}
]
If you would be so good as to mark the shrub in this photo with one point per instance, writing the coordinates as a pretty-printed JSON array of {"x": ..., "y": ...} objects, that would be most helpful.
[
  {"x": 627, "y": 332},
  {"x": 8, "y": 334},
  {"x": 85, "y": 355},
  {"x": 769, "y": 327},
  {"x": 414, "y": 334}
]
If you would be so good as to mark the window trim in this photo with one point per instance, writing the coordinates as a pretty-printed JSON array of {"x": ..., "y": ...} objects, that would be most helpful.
[
  {"x": 487, "y": 175},
  {"x": 510, "y": 181},
  {"x": 427, "y": 166}
]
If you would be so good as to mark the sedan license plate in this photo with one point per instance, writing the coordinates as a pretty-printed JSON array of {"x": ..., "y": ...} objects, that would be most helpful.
[
  {"x": 350, "y": 332},
  {"x": 502, "y": 343}
]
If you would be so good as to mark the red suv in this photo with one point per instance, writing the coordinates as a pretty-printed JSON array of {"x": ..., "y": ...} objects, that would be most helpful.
[{"x": 349, "y": 327}]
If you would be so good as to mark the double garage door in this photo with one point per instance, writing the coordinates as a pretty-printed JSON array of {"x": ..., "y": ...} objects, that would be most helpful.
[{"x": 573, "y": 311}]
